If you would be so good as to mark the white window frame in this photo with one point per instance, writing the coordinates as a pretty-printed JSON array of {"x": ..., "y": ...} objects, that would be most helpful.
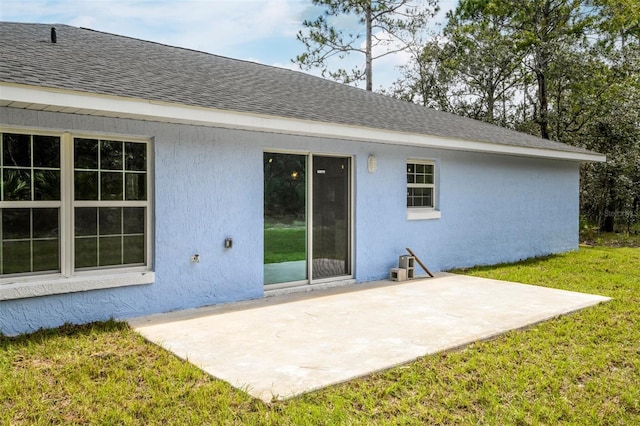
[
  {"x": 68, "y": 280},
  {"x": 36, "y": 204},
  {"x": 424, "y": 213}
]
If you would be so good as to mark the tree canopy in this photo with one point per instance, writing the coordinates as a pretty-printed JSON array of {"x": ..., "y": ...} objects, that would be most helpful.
[
  {"x": 382, "y": 27},
  {"x": 567, "y": 70}
]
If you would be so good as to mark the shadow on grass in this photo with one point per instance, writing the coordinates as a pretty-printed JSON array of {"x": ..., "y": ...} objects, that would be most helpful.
[
  {"x": 68, "y": 330},
  {"x": 533, "y": 261}
]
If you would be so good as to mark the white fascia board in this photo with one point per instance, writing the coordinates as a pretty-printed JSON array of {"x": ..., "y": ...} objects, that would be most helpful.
[{"x": 39, "y": 98}]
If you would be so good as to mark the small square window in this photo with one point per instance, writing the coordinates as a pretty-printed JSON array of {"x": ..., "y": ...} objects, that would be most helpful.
[{"x": 421, "y": 184}]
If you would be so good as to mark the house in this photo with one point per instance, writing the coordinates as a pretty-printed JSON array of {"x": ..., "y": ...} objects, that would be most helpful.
[{"x": 140, "y": 178}]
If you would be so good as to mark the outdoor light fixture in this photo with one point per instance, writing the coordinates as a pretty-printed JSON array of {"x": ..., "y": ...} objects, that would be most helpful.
[
  {"x": 372, "y": 164},
  {"x": 294, "y": 175}
]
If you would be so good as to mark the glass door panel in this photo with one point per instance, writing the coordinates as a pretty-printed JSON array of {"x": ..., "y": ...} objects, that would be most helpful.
[
  {"x": 331, "y": 217},
  {"x": 285, "y": 219}
]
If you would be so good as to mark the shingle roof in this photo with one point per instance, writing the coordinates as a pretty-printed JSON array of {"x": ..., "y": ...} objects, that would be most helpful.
[{"x": 90, "y": 61}]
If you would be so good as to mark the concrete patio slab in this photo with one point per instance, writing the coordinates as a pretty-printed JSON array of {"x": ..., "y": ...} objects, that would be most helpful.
[{"x": 278, "y": 347}]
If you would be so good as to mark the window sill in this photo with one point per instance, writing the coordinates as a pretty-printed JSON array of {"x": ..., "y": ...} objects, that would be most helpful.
[
  {"x": 34, "y": 287},
  {"x": 423, "y": 214}
]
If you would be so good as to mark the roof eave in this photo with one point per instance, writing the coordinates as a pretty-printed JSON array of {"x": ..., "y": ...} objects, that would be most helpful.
[{"x": 74, "y": 102}]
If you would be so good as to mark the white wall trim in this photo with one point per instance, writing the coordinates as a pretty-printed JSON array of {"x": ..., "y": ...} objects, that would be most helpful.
[
  {"x": 49, "y": 286},
  {"x": 57, "y": 100},
  {"x": 422, "y": 214}
]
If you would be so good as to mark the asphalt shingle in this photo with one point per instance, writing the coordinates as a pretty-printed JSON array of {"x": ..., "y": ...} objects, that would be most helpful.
[{"x": 96, "y": 62}]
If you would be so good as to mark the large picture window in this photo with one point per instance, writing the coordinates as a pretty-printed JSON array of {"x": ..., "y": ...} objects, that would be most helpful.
[{"x": 88, "y": 210}]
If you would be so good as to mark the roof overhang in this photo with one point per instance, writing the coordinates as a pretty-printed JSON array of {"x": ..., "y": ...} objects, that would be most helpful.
[{"x": 74, "y": 102}]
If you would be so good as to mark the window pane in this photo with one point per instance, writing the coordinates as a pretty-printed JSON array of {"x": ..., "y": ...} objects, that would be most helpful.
[
  {"x": 46, "y": 185},
  {"x": 16, "y": 224},
  {"x": 86, "y": 252},
  {"x": 85, "y": 153},
  {"x": 136, "y": 156},
  {"x": 420, "y": 197},
  {"x": 46, "y": 254},
  {"x": 410, "y": 175},
  {"x": 85, "y": 185},
  {"x": 111, "y": 155},
  {"x": 36, "y": 244},
  {"x": 110, "y": 251},
  {"x": 16, "y": 257},
  {"x": 16, "y": 185},
  {"x": 134, "y": 220},
  {"x": 429, "y": 173},
  {"x": 110, "y": 220},
  {"x": 45, "y": 223},
  {"x": 86, "y": 221},
  {"x": 136, "y": 186},
  {"x": 133, "y": 249},
  {"x": 111, "y": 185},
  {"x": 46, "y": 151},
  {"x": 16, "y": 150}
]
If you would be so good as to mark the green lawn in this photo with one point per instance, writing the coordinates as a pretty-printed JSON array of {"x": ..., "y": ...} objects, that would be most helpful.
[
  {"x": 284, "y": 244},
  {"x": 580, "y": 369}
]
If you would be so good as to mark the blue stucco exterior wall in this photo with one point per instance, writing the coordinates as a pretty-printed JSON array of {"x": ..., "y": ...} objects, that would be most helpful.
[
  {"x": 208, "y": 186},
  {"x": 494, "y": 209}
]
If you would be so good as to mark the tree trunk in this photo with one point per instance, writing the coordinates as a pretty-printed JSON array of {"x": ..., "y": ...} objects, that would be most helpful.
[
  {"x": 367, "y": 70},
  {"x": 543, "y": 120},
  {"x": 491, "y": 99}
]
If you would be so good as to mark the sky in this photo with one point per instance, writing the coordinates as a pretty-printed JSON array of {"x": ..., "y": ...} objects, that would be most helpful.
[{"x": 261, "y": 31}]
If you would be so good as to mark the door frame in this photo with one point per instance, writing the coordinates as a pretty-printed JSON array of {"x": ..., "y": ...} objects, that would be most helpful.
[{"x": 309, "y": 218}]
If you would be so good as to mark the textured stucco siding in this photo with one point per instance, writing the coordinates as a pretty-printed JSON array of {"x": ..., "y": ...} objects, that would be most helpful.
[
  {"x": 208, "y": 186},
  {"x": 493, "y": 208}
]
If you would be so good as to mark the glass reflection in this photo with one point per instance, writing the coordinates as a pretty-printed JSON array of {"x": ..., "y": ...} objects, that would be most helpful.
[{"x": 285, "y": 222}]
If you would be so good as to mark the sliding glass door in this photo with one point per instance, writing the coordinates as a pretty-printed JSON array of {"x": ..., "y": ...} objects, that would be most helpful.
[
  {"x": 331, "y": 227},
  {"x": 301, "y": 247}
]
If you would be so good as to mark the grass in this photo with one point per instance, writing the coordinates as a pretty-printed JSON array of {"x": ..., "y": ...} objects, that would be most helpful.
[
  {"x": 579, "y": 369},
  {"x": 284, "y": 244}
]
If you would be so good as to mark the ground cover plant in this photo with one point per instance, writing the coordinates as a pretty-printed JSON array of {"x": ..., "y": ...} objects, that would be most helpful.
[{"x": 583, "y": 368}]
